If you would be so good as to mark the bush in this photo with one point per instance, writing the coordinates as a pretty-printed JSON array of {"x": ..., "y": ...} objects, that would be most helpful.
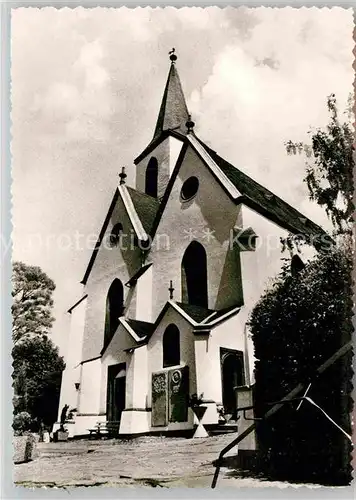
[
  {"x": 37, "y": 378},
  {"x": 296, "y": 326},
  {"x": 22, "y": 423}
]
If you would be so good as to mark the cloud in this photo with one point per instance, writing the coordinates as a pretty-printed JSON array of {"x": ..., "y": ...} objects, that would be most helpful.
[{"x": 272, "y": 87}]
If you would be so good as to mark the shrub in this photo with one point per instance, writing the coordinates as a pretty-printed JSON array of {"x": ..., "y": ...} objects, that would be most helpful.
[
  {"x": 22, "y": 423},
  {"x": 296, "y": 326}
]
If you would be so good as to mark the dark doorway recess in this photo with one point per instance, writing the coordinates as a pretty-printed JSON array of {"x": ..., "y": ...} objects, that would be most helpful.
[
  {"x": 116, "y": 389},
  {"x": 232, "y": 376}
]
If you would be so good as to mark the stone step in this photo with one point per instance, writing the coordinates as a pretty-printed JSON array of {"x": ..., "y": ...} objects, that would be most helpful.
[{"x": 223, "y": 429}]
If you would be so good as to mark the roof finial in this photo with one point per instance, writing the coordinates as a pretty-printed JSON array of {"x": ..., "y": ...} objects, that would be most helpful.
[
  {"x": 172, "y": 55},
  {"x": 190, "y": 124},
  {"x": 171, "y": 290},
  {"x": 122, "y": 176}
]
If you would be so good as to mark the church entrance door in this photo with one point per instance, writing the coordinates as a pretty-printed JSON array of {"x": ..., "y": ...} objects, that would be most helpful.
[
  {"x": 116, "y": 389},
  {"x": 232, "y": 375}
]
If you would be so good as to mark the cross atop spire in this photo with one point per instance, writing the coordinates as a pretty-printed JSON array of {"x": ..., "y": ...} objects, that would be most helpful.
[{"x": 173, "y": 113}]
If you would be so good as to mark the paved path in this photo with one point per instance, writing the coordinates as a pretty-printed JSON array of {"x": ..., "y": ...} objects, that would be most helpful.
[{"x": 142, "y": 462}]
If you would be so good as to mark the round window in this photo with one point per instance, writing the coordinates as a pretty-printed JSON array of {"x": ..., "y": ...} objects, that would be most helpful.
[{"x": 189, "y": 188}]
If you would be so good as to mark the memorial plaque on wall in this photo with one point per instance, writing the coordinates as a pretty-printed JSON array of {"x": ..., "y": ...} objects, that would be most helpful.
[
  {"x": 159, "y": 399},
  {"x": 178, "y": 394}
]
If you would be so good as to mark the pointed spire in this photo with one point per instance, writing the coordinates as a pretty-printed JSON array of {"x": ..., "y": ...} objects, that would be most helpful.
[{"x": 173, "y": 113}]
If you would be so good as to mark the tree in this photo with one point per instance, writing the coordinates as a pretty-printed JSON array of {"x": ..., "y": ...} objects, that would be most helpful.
[
  {"x": 329, "y": 167},
  {"x": 37, "y": 366},
  {"x": 302, "y": 320},
  {"x": 37, "y": 378},
  {"x": 32, "y": 301}
]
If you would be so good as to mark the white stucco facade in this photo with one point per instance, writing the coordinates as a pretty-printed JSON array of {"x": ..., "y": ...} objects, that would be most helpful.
[{"x": 177, "y": 324}]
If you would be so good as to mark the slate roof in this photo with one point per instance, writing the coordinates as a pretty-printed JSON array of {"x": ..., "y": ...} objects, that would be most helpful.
[
  {"x": 261, "y": 198},
  {"x": 197, "y": 313},
  {"x": 142, "y": 329},
  {"x": 133, "y": 280},
  {"x": 220, "y": 313},
  {"x": 146, "y": 207},
  {"x": 200, "y": 314},
  {"x": 173, "y": 113}
]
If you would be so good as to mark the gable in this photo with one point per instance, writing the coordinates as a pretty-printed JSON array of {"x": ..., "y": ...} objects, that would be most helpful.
[
  {"x": 100, "y": 237},
  {"x": 264, "y": 201},
  {"x": 138, "y": 210},
  {"x": 146, "y": 208},
  {"x": 106, "y": 255},
  {"x": 211, "y": 207},
  {"x": 206, "y": 218},
  {"x": 121, "y": 342}
]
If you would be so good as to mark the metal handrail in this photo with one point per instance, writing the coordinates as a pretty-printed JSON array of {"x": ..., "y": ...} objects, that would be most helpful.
[{"x": 291, "y": 396}]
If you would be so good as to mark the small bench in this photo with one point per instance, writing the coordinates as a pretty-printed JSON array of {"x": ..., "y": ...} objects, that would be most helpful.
[{"x": 99, "y": 430}]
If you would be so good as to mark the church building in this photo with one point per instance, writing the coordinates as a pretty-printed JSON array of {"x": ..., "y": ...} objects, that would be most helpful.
[{"x": 180, "y": 261}]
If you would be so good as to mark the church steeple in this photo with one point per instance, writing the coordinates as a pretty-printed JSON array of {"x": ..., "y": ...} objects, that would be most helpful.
[{"x": 173, "y": 113}]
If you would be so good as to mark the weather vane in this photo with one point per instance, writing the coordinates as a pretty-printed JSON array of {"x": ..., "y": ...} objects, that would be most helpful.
[{"x": 172, "y": 55}]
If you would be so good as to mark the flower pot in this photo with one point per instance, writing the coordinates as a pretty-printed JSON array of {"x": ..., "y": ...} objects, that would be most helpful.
[{"x": 60, "y": 436}]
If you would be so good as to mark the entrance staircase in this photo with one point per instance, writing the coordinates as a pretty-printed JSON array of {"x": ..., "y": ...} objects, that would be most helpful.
[{"x": 215, "y": 430}]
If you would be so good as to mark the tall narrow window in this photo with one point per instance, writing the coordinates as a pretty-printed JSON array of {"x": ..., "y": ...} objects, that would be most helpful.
[
  {"x": 114, "y": 309},
  {"x": 171, "y": 346},
  {"x": 194, "y": 276},
  {"x": 152, "y": 177}
]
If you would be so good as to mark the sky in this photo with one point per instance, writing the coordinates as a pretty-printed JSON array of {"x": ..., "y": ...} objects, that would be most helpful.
[{"x": 86, "y": 90}]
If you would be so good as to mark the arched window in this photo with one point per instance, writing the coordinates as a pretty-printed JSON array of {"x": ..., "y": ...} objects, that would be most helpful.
[
  {"x": 152, "y": 177},
  {"x": 171, "y": 346},
  {"x": 114, "y": 309},
  {"x": 194, "y": 276}
]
